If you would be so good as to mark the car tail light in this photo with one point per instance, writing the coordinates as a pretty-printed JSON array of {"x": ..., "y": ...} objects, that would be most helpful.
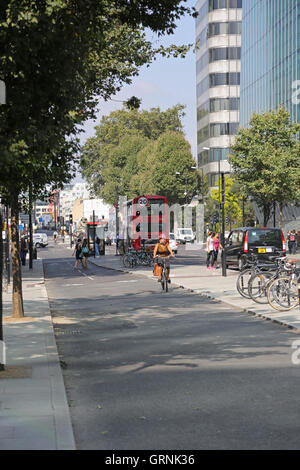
[
  {"x": 246, "y": 243},
  {"x": 283, "y": 242}
]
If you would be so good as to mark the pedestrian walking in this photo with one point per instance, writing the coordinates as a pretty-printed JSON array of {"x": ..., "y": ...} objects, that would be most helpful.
[
  {"x": 85, "y": 252},
  {"x": 63, "y": 236},
  {"x": 293, "y": 246},
  {"x": 217, "y": 246},
  {"x": 23, "y": 250},
  {"x": 210, "y": 250},
  {"x": 78, "y": 253}
]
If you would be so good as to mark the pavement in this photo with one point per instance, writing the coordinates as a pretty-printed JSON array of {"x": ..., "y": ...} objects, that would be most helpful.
[
  {"x": 34, "y": 412},
  {"x": 210, "y": 284}
]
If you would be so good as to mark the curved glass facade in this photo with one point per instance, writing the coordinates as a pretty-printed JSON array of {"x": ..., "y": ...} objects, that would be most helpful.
[
  {"x": 270, "y": 57},
  {"x": 218, "y": 33}
]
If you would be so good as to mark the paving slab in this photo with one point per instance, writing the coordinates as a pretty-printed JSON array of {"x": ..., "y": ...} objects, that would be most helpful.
[{"x": 34, "y": 413}]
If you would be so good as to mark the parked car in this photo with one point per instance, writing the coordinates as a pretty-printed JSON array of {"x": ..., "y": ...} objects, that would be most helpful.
[
  {"x": 173, "y": 243},
  {"x": 184, "y": 235},
  {"x": 265, "y": 242},
  {"x": 40, "y": 239}
]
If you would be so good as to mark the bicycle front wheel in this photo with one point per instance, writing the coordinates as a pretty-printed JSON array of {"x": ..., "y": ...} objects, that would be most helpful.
[
  {"x": 257, "y": 287},
  {"x": 282, "y": 294},
  {"x": 242, "y": 283}
]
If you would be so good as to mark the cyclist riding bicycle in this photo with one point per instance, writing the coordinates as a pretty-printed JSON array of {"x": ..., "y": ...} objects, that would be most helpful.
[{"x": 163, "y": 250}]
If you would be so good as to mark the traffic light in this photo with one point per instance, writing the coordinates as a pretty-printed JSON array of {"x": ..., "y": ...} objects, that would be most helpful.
[{"x": 71, "y": 218}]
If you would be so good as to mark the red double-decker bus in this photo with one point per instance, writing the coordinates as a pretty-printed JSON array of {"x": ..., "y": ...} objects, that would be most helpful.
[{"x": 147, "y": 219}]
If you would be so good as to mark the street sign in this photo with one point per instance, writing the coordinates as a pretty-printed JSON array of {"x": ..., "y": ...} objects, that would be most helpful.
[
  {"x": 143, "y": 201},
  {"x": 21, "y": 227}
]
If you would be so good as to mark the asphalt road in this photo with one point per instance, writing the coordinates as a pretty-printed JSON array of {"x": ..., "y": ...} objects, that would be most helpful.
[{"x": 148, "y": 370}]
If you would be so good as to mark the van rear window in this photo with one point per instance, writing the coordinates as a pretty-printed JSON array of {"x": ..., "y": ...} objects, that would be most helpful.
[{"x": 265, "y": 237}]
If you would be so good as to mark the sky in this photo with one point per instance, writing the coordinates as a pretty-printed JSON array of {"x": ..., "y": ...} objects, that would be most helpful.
[{"x": 165, "y": 83}]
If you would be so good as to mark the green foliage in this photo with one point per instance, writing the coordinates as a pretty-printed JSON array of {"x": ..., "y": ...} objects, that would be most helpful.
[
  {"x": 233, "y": 200},
  {"x": 58, "y": 57},
  {"x": 140, "y": 152},
  {"x": 236, "y": 204},
  {"x": 265, "y": 159}
]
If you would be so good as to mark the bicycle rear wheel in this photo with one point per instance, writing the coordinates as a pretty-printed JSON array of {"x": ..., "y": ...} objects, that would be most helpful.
[
  {"x": 242, "y": 283},
  {"x": 282, "y": 294},
  {"x": 257, "y": 287},
  {"x": 166, "y": 281},
  {"x": 125, "y": 261}
]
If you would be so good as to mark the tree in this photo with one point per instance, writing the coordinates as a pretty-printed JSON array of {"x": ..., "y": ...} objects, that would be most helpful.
[
  {"x": 172, "y": 170},
  {"x": 265, "y": 160},
  {"x": 122, "y": 148},
  {"x": 57, "y": 57}
]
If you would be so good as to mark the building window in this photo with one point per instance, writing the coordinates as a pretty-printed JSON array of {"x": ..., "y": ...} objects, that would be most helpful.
[
  {"x": 202, "y": 37},
  {"x": 218, "y": 79},
  {"x": 224, "y": 53},
  {"x": 202, "y": 110},
  {"x": 223, "y": 128},
  {"x": 221, "y": 4},
  {"x": 203, "y": 12},
  {"x": 203, "y": 86},
  {"x": 203, "y": 134},
  {"x": 224, "y": 104},
  {"x": 232, "y": 27}
]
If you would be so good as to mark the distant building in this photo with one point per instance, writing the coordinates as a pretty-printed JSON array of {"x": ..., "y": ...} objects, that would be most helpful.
[
  {"x": 83, "y": 209},
  {"x": 68, "y": 196}
]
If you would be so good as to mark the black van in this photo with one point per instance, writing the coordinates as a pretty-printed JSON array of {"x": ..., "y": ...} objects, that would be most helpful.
[{"x": 265, "y": 242}]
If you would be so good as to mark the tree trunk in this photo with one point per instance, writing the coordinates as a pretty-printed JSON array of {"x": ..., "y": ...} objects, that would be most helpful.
[
  {"x": 266, "y": 214},
  {"x": 17, "y": 296},
  {"x": 1, "y": 278}
]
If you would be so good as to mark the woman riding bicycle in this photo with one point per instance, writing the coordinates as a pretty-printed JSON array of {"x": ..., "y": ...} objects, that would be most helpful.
[{"x": 163, "y": 250}]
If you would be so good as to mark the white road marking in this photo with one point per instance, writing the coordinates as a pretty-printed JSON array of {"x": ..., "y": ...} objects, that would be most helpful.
[
  {"x": 127, "y": 281},
  {"x": 72, "y": 285}
]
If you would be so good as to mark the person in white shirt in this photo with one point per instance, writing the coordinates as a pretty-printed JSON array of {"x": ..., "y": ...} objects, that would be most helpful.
[{"x": 210, "y": 250}]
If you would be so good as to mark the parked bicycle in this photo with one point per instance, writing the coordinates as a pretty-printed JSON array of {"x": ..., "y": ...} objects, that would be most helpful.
[
  {"x": 133, "y": 258},
  {"x": 252, "y": 268},
  {"x": 283, "y": 294},
  {"x": 260, "y": 281}
]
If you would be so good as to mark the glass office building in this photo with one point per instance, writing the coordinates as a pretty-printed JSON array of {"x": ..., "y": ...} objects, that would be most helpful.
[
  {"x": 270, "y": 69},
  {"x": 270, "y": 57},
  {"x": 218, "y": 36}
]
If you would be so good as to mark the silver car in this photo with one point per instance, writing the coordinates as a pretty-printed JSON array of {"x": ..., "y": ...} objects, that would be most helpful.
[
  {"x": 40, "y": 239},
  {"x": 173, "y": 243}
]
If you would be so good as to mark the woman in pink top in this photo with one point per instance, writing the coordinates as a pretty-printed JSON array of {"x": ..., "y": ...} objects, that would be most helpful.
[{"x": 217, "y": 245}]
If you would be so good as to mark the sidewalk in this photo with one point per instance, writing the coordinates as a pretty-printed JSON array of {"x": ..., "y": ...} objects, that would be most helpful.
[
  {"x": 211, "y": 284},
  {"x": 34, "y": 413}
]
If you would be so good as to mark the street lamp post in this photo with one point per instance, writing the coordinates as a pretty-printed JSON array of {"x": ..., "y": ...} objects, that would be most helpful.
[
  {"x": 224, "y": 273},
  {"x": 117, "y": 219}
]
